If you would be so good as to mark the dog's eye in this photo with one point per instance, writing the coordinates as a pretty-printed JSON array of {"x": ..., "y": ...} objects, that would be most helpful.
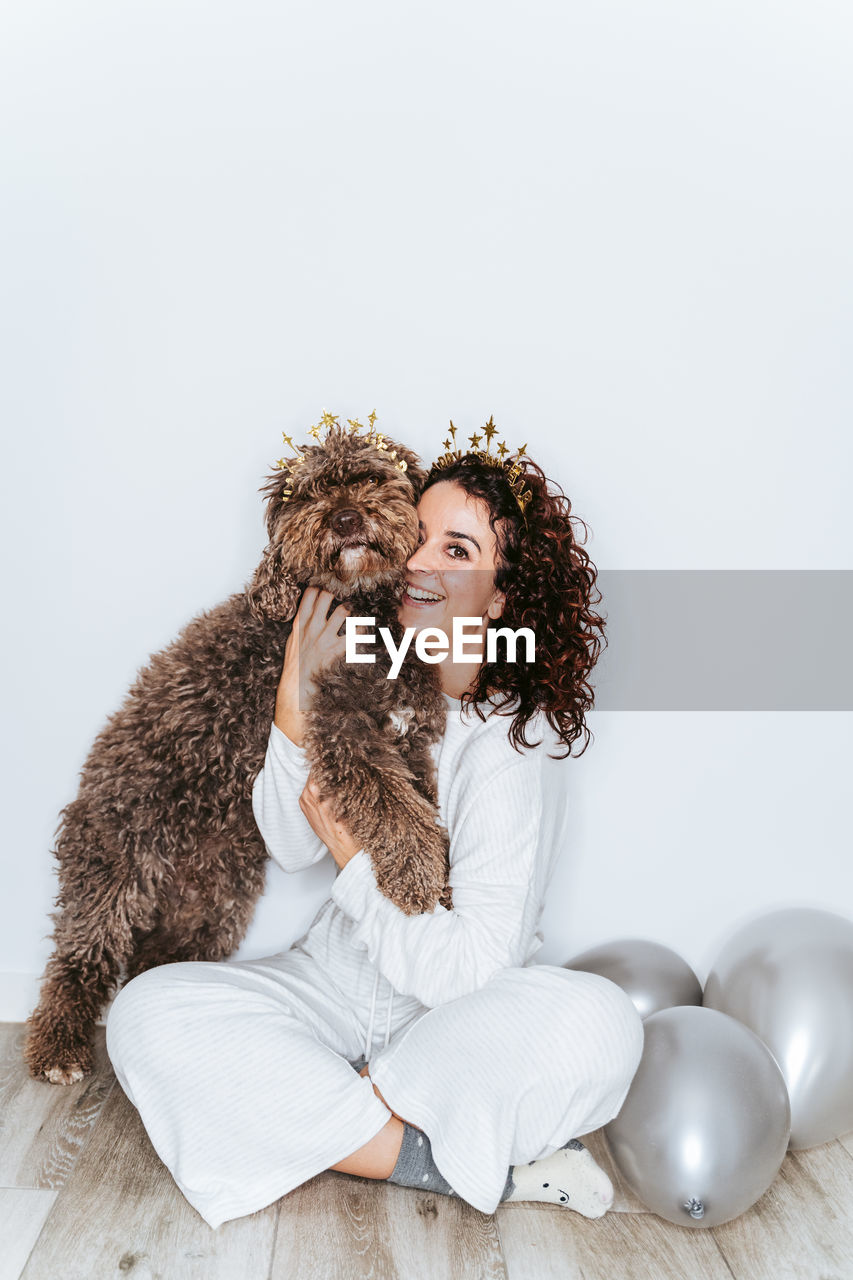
[{"x": 372, "y": 480}]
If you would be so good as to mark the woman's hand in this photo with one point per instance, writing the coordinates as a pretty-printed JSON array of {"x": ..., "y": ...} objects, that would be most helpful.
[
  {"x": 334, "y": 835},
  {"x": 312, "y": 644}
]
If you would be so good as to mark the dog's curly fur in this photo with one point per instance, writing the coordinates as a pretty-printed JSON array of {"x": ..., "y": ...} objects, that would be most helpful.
[{"x": 159, "y": 856}]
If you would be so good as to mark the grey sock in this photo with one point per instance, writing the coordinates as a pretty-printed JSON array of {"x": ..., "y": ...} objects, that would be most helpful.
[{"x": 415, "y": 1166}]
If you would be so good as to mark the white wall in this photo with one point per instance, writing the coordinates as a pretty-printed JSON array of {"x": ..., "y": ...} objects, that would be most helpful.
[{"x": 622, "y": 229}]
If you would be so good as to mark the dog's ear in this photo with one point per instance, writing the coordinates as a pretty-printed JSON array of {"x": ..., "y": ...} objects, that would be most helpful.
[
  {"x": 274, "y": 487},
  {"x": 273, "y": 594}
]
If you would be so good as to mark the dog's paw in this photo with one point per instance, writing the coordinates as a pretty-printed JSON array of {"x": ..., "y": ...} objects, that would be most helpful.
[
  {"x": 56, "y": 1052},
  {"x": 64, "y": 1075},
  {"x": 415, "y": 900},
  {"x": 405, "y": 883}
]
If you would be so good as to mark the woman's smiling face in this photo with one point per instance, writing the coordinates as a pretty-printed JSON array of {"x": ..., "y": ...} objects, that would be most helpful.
[{"x": 456, "y": 560}]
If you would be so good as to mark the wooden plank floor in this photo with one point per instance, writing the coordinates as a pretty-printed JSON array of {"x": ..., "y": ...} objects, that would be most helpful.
[{"x": 83, "y": 1196}]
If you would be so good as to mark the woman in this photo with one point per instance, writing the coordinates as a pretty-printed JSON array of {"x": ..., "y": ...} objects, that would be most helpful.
[{"x": 248, "y": 1076}]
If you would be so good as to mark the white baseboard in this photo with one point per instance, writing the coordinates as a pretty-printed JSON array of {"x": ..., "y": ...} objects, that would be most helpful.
[{"x": 19, "y": 994}]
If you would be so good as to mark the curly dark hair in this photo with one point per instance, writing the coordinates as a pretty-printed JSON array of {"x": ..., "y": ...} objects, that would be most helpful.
[{"x": 548, "y": 580}]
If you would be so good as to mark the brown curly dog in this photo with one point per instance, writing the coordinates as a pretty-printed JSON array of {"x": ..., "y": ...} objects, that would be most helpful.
[{"x": 159, "y": 856}]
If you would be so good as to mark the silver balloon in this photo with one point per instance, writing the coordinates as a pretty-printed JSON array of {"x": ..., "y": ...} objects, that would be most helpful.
[
  {"x": 705, "y": 1125},
  {"x": 789, "y": 977},
  {"x": 652, "y": 975}
]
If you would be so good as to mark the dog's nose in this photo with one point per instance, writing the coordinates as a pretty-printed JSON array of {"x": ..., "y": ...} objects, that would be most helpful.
[{"x": 346, "y": 522}]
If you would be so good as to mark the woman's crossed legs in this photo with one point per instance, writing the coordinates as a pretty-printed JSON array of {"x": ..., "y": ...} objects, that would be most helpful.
[{"x": 241, "y": 1074}]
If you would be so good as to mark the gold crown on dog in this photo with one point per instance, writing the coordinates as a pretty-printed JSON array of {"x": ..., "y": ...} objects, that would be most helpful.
[
  {"x": 329, "y": 420},
  {"x": 511, "y": 467}
]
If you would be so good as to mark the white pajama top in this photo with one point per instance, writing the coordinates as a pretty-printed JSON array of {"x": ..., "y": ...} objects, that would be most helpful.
[{"x": 506, "y": 812}]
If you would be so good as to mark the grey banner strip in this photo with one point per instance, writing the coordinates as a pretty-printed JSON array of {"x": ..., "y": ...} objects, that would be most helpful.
[
  {"x": 706, "y": 639},
  {"x": 725, "y": 640}
]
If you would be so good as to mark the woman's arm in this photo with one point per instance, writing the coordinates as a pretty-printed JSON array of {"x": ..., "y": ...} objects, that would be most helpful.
[
  {"x": 442, "y": 954},
  {"x": 312, "y": 644},
  {"x": 288, "y": 835}
]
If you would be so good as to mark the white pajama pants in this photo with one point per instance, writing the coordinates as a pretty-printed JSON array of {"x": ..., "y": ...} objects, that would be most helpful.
[{"x": 242, "y": 1073}]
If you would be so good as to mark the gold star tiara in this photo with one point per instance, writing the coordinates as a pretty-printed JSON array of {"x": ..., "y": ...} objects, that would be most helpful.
[
  {"x": 512, "y": 467},
  {"x": 329, "y": 420}
]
